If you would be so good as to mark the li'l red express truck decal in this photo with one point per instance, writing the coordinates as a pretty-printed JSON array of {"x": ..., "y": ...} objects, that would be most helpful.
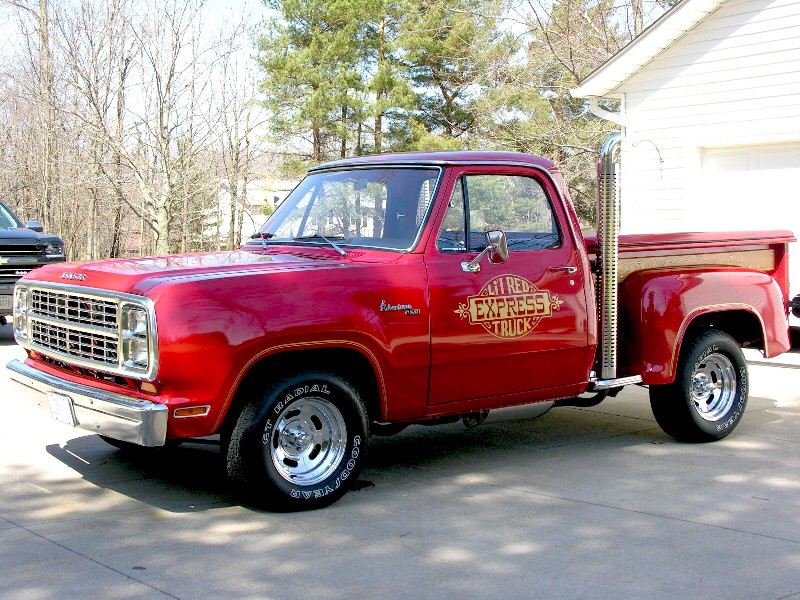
[{"x": 509, "y": 306}]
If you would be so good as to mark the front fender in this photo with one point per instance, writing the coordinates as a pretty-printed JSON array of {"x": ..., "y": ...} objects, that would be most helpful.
[
  {"x": 212, "y": 330},
  {"x": 657, "y": 307}
]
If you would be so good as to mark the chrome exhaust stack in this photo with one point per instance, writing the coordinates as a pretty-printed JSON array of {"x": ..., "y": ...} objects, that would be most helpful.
[
  {"x": 608, "y": 257},
  {"x": 608, "y": 254}
]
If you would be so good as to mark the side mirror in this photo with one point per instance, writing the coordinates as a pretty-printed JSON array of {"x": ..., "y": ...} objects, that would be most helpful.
[
  {"x": 496, "y": 248},
  {"x": 35, "y": 226}
]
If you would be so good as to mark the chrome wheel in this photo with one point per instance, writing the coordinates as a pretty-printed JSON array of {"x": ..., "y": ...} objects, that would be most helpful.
[
  {"x": 713, "y": 387},
  {"x": 308, "y": 441}
]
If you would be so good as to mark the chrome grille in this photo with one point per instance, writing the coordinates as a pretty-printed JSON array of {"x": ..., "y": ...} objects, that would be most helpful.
[
  {"x": 82, "y": 327},
  {"x": 74, "y": 308},
  {"x": 93, "y": 346}
]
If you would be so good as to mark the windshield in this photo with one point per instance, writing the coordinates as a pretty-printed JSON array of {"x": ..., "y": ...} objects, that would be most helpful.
[
  {"x": 7, "y": 220},
  {"x": 379, "y": 208}
]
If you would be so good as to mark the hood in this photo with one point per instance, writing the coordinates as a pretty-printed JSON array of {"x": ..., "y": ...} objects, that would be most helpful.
[
  {"x": 20, "y": 235},
  {"x": 138, "y": 275}
]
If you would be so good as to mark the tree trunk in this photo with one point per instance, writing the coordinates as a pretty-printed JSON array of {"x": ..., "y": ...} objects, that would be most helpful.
[
  {"x": 48, "y": 106},
  {"x": 185, "y": 219},
  {"x": 379, "y": 94},
  {"x": 243, "y": 199},
  {"x": 161, "y": 228},
  {"x": 124, "y": 62},
  {"x": 378, "y": 132},
  {"x": 343, "y": 152},
  {"x": 638, "y": 21},
  {"x": 219, "y": 222},
  {"x": 316, "y": 149},
  {"x": 142, "y": 229},
  {"x": 233, "y": 183},
  {"x": 240, "y": 214}
]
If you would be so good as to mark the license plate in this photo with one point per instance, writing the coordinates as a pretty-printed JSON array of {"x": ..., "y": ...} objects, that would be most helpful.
[
  {"x": 5, "y": 301},
  {"x": 61, "y": 408}
]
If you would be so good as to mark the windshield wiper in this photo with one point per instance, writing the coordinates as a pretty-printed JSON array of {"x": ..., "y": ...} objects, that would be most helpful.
[{"x": 318, "y": 236}]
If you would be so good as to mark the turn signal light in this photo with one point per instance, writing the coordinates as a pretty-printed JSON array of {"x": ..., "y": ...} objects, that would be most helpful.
[
  {"x": 148, "y": 388},
  {"x": 191, "y": 411}
]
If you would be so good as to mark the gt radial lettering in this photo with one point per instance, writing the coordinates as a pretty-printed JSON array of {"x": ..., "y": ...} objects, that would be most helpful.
[{"x": 509, "y": 306}]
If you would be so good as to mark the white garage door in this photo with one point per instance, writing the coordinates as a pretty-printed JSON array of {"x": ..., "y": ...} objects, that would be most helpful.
[{"x": 753, "y": 187}]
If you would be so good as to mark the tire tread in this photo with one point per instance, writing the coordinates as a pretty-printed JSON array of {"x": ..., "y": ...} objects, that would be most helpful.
[{"x": 669, "y": 403}]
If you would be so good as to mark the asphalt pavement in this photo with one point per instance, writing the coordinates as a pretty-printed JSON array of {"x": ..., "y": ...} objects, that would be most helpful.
[{"x": 578, "y": 503}]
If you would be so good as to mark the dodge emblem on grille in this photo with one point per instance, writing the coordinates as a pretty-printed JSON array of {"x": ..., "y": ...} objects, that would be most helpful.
[{"x": 76, "y": 276}]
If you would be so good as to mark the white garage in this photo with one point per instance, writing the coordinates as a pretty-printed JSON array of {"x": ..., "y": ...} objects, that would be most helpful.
[{"x": 710, "y": 111}]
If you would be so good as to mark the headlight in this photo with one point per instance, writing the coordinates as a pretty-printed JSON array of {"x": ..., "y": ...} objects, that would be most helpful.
[
  {"x": 20, "y": 298},
  {"x": 135, "y": 353},
  {"x": 135, "y": 343},
  {"x": 21, "y": 311},
  {"x": 54, "y": 250},
  {"x": 134, "y": 320}
]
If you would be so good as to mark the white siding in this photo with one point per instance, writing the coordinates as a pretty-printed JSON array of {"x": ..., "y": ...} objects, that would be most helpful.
[
  {"x": 753, "y": 186},
  {"x": 732, "y": 81}
]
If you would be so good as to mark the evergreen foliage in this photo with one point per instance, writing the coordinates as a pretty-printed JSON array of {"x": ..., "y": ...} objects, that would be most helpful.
[{"x": 352, "y": 77}]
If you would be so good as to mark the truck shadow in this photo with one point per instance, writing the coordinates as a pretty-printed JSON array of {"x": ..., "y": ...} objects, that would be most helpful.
[
  {"x": 511, "y": 449},
  {"x": 192, "y": 476},
  {"x": 183, "y": 479},
  {"x": 465, "y": 511}
]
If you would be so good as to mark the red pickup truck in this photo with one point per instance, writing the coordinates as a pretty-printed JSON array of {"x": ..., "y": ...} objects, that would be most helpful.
[{"x": 398, "y": 289}]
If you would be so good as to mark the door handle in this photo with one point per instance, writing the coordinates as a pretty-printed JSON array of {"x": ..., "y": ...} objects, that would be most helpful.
[{"x": 568, "y": 270}]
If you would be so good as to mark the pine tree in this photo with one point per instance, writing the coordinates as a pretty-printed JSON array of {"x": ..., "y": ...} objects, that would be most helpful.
[
  {"x": 447, "y": 45},
  {"x": 310, "y": 56},
  {"x": 389, "y": 87}
]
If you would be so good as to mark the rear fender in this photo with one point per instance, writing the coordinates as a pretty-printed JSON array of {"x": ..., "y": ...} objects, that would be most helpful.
[{"x": 658, "y": 307}]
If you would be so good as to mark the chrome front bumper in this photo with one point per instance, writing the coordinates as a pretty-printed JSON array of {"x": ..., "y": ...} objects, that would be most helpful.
[{"x": 115, "y": 415}]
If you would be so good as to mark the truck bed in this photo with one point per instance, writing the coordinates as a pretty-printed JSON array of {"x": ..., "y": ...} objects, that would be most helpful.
[{"x": 760, "y": 250}]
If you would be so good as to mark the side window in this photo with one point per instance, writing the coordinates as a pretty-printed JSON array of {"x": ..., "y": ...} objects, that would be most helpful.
[
  {"x": 513, "y": 204},
  {"x": 451, "y": 234}
]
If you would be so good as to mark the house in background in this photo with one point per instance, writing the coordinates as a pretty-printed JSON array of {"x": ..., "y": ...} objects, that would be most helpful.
[
  {"x": 262, "y": 196},
  {"x": 710, "y": 113}
]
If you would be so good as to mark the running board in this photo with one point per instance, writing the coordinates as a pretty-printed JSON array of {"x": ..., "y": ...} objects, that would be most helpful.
[{"x": 607, "y": 384}]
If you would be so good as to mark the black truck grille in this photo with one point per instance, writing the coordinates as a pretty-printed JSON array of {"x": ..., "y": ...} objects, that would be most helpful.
[
  {"x": 12, "y": 272},
  {"x": 20, "y": 249}
]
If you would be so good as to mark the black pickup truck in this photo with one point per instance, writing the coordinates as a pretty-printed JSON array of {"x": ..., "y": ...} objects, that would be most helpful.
[{"x": 22, "y": 249}]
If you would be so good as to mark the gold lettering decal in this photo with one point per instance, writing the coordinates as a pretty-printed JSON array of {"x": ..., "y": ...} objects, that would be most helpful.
[{"x": 509, "y": 306}]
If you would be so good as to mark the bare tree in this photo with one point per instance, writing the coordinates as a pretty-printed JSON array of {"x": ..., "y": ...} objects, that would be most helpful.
[{"x": 242, "y": 116}]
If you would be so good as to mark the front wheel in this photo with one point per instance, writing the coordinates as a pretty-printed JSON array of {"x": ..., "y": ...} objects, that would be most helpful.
[
  {"x": 301, "y": 444},
  {"x": 709, "y": 395}
]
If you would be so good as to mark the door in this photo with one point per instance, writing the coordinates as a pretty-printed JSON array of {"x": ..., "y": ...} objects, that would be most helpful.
[{"x": 514, "y": 328}]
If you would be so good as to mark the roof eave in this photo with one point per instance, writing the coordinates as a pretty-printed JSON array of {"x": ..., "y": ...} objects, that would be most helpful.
[{"x": 604, "y": 81}]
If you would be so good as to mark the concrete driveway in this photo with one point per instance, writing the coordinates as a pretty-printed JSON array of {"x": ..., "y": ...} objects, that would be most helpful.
[{"x": 579, "y": 503}]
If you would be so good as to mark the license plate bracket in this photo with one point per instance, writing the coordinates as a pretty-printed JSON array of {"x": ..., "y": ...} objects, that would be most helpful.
[
  {"x": 6, "y": 302},
  {"x": 62, "y": 408}
]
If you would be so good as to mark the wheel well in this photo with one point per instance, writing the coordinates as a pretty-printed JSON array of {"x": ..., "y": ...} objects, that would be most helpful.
[
  {"x": 345, "y": 362},
  {"x": 743, "y": 326}
]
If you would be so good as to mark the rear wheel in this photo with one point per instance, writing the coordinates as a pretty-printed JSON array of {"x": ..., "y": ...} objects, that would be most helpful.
[
  {"x": 709, "y": 395},
  {"x": 301, "y": 444}
]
